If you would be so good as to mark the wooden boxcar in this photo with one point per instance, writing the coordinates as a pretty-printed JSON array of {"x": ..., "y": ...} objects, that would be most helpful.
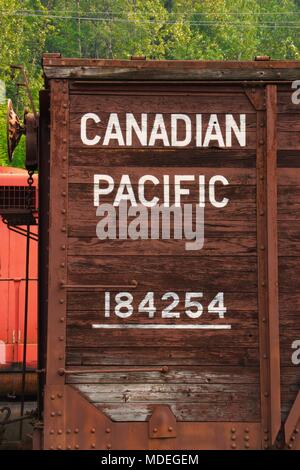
[{"x": 170, "y": 254}]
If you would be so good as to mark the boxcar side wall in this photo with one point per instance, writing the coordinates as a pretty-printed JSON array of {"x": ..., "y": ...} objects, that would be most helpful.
[{"x": 155, "y": 340}]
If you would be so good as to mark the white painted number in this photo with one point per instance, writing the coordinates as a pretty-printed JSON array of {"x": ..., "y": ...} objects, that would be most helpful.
[
  {"x": 124, "y": 304},
  {"x": 217, "y": 305},
  {"x": 193, "y": 308},
  {"x": 167, "y": 312},
  {"x": 150, "y": 309},
  {"x": 193, "y": 303}
]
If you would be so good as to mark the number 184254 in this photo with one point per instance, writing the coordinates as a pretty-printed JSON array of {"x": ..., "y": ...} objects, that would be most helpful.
[{"x": 121, "y": 305}]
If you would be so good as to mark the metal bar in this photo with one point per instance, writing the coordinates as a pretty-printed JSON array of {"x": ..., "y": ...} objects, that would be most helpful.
[
  {"x": 291, "y": 426},
  {"x": 100, "y": 286},
  {"x": 43, "y": 258},
  {"x": 261, "y": 252},
  {"x": 162, "y": 369},
  {"x": 272, "y": 261},
  {"x": 20, "y": 231},
  {"x": 25, "y": 331}
]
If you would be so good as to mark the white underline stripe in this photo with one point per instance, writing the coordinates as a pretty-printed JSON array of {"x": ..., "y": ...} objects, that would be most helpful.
[{"x": 162, "y": 327}]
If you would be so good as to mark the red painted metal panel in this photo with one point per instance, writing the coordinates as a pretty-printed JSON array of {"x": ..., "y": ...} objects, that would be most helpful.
[{"x": 12, "y": 286}]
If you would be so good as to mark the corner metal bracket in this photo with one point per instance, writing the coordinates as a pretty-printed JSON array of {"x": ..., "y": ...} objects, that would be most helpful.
[
  {"x": 256, "y": 97},
  {"x": 162, "y": 423},
  {"x": 292, "y": 425}
]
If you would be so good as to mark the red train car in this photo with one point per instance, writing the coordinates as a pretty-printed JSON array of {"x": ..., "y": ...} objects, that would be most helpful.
[{"x": 13, "y": 182}]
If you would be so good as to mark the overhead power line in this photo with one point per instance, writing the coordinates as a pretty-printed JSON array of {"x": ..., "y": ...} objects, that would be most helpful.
[
  {"x": 122, "y": 12},
  {"x": 112, "y": 18}
]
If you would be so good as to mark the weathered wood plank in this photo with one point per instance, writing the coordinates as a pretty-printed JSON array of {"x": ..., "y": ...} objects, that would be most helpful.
[
  {"x": 214, "y": 246},
  {"x": 86, "y": 318},
  {"x": 227, "y": 274},
  {"x": 160, "y": 103},
  {"x": 84, "y": 174},
  {"x": 218, "y": 158},
  {"x": 89, "y": 337},
  {"x": 176, "y": 374},
  {"x": 247, "y": 410},
  {"x": 169, "y": 393},
  {"x": 216, "y": 355}
]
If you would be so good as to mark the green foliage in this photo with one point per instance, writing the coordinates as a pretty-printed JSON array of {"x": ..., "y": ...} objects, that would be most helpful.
[{"x": 159, "y": 29}]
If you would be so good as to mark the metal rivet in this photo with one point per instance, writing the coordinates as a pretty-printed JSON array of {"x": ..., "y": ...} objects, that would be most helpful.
[
  {"x": 51, "y": 448},
  {"x": 69, "y": 447},
  {"x": 68, "y": 431},
  {"x": 261, "y": 213},
  {"x": 64, "y": 123},
  {"x": 261, "y": 142},
  {"x": 76, "y": 446},
  {"x": 266, "y": 446},
  {"x": 233, "y": 445},
  {"x": 233, "y": 437},
  {"x": 262, "y": 124},
  {"x": 61, "y": 301},
  {"x": 246, "y": 438},
  {"x": 266, "y": 430},
  {"x": 266, "y": 394},
  {"x": 63, "y": 247},
  {"x": 155, "y": 430},
  {"x": 60, "y": 395},
  {"x": 290, "y": 446},
  {"x": 64, "y": 175},
  {"x": 247, "y": 430},
  {"x": 107, "y": 430},
  {"x": 52, "y": 413},
  {"x": 64, "y": 141},
  {"x": 293, "y": 438},
  {"x": 51, "y": 431},
  {"x": 61, "y": 338},
  {"x": 263, "y": 284},
  {"x": 62, "y": 265},
  {"x": 63, "y": 211},
  {"x": 76, "y": 430},
  {"x": 233, "y": 430},
  {"x": 64, "y": 193},
  {"x": 60, "y": 358},
  {"x": 52, "y": 397},
  {"x": 65, "y": 105},
  {"x": 63, "y": 229},
  {"x": 93, "y": 445},
  {"x": 170, "y": 429},
  {"x": 261, "y": 177},
  {"x": 262, "y": 247},
  {"x": 247, "y": 445},
  {"x": 93, "y": 430},
  {"x": 264, "y": 320},
  {"x": 108, "y": 446},
  {"x": 59, "y": 431},
  {"x": 62, "y": 319},
  {"x": 296, "y": 431},
  {"x": 266, "y": 438},
  {"x": 59, "y": 413},
  {"x": 265, "y": 356}
]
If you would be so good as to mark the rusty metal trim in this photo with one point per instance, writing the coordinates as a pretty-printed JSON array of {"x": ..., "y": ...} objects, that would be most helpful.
[
  {"x": 162, "y": 424},
  {"x": 133, "y": 285},
  {"x": 272, "y": 267},
  {"x": 292, "y": 421},
  {"x": 163, "y": 370}
]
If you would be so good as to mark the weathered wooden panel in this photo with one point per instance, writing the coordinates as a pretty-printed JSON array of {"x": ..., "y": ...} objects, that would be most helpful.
[{"x": 117, "y": 294}]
